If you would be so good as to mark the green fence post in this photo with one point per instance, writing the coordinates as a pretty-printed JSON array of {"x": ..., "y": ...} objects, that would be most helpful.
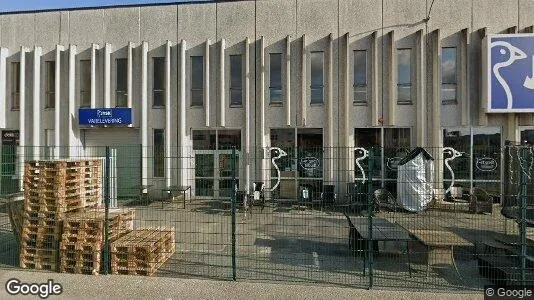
[
  {"x": 233, "y": 213},
  {"x": 106, "y": 212},
  {"x": 370, "y": 212},
  {"x": 523, "y": 209}
]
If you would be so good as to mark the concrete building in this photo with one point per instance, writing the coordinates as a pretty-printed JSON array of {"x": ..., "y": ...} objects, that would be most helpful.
[{"x": 304, "y": 74}]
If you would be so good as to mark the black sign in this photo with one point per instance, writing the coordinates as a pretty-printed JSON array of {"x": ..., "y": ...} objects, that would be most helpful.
[
  {"x": 486, "y": 164},
  {"x": 309, "y": 163},
  {"x": 10, "y": 137}
]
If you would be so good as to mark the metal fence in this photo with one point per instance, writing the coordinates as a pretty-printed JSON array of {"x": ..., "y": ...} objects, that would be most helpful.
[{"x": 401, "y": 218}]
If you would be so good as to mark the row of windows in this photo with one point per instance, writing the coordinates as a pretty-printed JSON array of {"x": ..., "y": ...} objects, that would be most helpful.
[{"x": 360, "y": 82}]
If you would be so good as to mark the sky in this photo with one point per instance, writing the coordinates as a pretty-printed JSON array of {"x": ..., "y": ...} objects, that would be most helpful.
[{"x": 25, "y": 5}]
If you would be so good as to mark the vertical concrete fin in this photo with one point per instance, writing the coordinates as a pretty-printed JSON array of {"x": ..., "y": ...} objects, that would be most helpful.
[
  {"x": 129, "y": 76},
  {"x": 144, "y": 112},
  {"x": 287, "y": 90},
  {"x": 463, "y": 93},
  {"x": 374, "y": 80},
  {"x": 392, "y": 79},
  {"x": 57, "y": 102},
  {"x": 72, "y": 125},
  {"x": 303, "y": 91},
  {"x": 262, "y": 92},
  {"x": 420, "y": 90},
  {"x": 22, "y": 115},
  {"x": 248, "y": 116},
  {"x": 206, "y": 80},
  {"x": 436, "y": 88},
  {"x": 222, "y": 83},
  {"x": 94, "y": 49},
  {"x": 168, "y": 128},
  {"x": 182, "y": 115},
  {"x": 483, "y": 97},
  {"x": 4, "y": 52},
  {"x": 330, "y": 108},
  {"x": 107, "y": 75},
  {"x": 36, "y": 112}
]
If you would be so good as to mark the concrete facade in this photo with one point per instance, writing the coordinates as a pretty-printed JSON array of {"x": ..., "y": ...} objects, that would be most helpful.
[{"x": 254, "y": 29}]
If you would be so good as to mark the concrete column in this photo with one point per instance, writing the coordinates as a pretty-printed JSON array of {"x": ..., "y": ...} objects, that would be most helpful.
[
  {"x": 107, "y": 75},
  {"x": 435, "y": 121},
  {"x": 288, "y": 81},
  {"x": 129, "y": 76},
  {"x": 168, "y": 108},
  {"x": 4, "y": 52},
  {"x": 303, "y": 80},
  {"x": 57, "y": 103},
  {"x": 392, "y": 80},
  {"x": 346, "y": 107},
  {"x": 462, "y": 91},
  {"x": 206, "y": 81},
  {"x": 22, "y": 116},
  {"x": 248, "y": 116},
  {"x": 73, "y": 126},
  {"x": 182, "y": 113},
  {"x": 512, "y": 131},
  {"x": 261, "y": 93},
  {"x": 36, "y": 113},
  {"x": 420, "y": 90},
  {"x": 375, "y": 101},
  {"x": 482, "y": 117},
  {"x": 94, "y": 48},
  {"x": 330, "y": 108},
  {"x": 222, "y": 81},
  {"x": 144, "y": 112}
]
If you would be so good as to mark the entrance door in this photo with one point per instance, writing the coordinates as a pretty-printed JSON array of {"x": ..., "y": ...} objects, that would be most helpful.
[
  {"x": 213, "y": 173},
  {"x": 9, "y": 182}
]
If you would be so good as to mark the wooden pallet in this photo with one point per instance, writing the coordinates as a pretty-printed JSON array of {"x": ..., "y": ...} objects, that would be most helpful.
[
  {"x": 92, "y": 221},
  {"x": 39, "y": 258},
  {"x": 87, "y": 261},
  {"x": 142, "y": 251}
]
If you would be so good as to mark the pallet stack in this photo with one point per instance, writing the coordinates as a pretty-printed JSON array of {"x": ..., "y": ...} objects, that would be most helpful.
[
  {"x": 52, "y": 189},
  {"x": 83, "y": 239},
  {"x": 142, "y": 251}
]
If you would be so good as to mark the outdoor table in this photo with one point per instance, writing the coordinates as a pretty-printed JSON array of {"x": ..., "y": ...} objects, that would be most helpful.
[
  {"x": 179, "y": 189},
  {"x": 382, "y": 230}
]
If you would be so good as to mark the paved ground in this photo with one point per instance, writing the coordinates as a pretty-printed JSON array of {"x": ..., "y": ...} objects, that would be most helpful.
[
  {"x": 136, "y": 287},
  {"x": 282, "y": 244}
]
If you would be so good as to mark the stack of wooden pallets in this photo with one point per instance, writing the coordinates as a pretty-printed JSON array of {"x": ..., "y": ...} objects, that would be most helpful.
[
  {"x": 52, "y": 189},
  {"x": 142, "y": 251},
  {"x": 83, "y": 238}
]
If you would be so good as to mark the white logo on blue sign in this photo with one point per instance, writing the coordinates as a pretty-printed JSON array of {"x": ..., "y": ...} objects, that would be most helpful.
[{"x": 511, "y": 73}]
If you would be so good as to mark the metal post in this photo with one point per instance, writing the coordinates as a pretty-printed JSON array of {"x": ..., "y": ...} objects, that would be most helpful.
[
  {"x": 371, "y": 208},
  {"x": 523, "y": 209},
  {"x": 233, "y": 214},
  {"x": 106, "y": 212}
]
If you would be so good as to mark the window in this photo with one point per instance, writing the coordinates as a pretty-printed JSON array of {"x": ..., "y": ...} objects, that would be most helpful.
[
  {"x": 158, "y": 85},
  {"x": 404, "y": 76},
  {"x": 50, "y": 84},
  {"x": 197, "y": 80},
  {"x": 121, "y": 83},
  {"x": 85, "y": 83},
  {"x": 317, "y": 77},
  {"x": 236, "y": 80},
  {"x": 275, "y": 77},
  {"x": 15, "y": 85},
  {"x": 159, "y": 153},
  {"x": 360, "y": 76},
  {"x": 448, "y": 75}
]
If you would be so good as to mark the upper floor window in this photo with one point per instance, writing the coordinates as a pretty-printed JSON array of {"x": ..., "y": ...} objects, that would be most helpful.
[
  {"x": 404, "y": 76},
  {"x": 275, "y": 77},
  {"x": 317, "y": 77},
  {"x": 50, "y": 84},
  {"x": 159, "y": 153},
  {"x": 15, "y": 85},
  {"x": 360, "y": 76},
  {"x": 121, "y": 82},
  {"x": 158, "y": 84},
  {"x": 197, "y": 80},
  {"x": 85, "y": 83},
  {"x": 448, "y": 75},
  {"x": 236, "y": 80}
]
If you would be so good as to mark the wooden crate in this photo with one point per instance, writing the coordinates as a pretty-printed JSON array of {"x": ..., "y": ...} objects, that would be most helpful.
[{"x": 142, "y": 251}]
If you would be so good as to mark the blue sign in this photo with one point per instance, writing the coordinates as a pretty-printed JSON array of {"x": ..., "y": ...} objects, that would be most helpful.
[
  {"x": 510, "y": 73},
  {"x": 105, "y": 116}
]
